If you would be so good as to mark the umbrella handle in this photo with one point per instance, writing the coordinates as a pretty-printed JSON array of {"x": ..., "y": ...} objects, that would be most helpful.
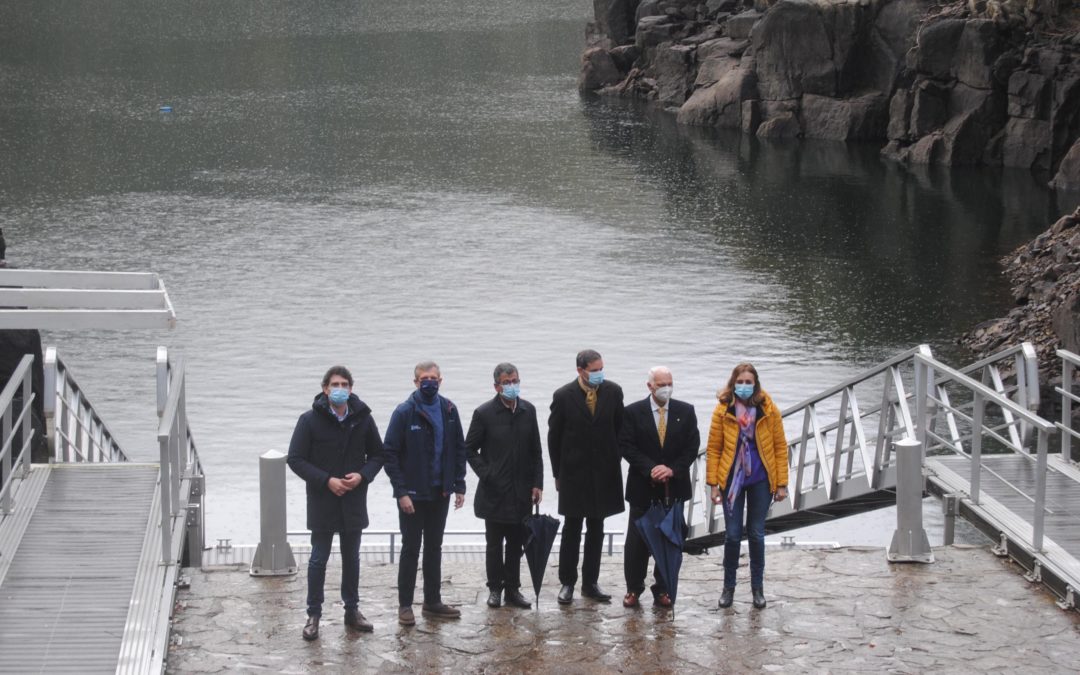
[{"x": 536, "y": 509}]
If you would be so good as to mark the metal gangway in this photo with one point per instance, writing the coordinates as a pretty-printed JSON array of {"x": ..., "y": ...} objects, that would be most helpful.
[
  {"x": 986, "y": 453},
  {"x": 91, "y": 542}
]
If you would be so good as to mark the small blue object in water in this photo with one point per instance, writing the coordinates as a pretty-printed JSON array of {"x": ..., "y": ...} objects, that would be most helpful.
[{"x": 165, "y": 109}]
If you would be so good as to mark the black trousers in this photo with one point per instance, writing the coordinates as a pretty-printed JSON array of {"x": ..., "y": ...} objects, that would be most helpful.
[
  {"x": 427, "y": 524},
  {"x": 636, "y": 559},
  {"x": 568, "y": 550},
  {"x": 504, "y": 564}
]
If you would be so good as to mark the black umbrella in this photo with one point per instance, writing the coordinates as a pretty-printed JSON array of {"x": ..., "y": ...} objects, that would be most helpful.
[
  {"x": 540, "y": 536},
  {"x": 664, "y": 530}
]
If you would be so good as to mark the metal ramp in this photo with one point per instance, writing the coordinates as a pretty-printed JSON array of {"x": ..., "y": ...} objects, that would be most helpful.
[
  {"x": 91, "y": 544},
  {"x": 986, "y": 453},
  {"x": 67, "y": 585}
]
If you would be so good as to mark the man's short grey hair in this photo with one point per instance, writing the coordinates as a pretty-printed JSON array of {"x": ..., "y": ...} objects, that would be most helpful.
[
  {"x": 425, "y": 365},
  {"x": 587, "y": 356},
  {"x": 658, "y": 370},
  {"x": 504, "y": 369}
]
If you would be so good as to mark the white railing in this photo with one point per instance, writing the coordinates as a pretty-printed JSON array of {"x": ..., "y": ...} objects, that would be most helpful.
[
  {"x": 995, "y": 424},
  {"x": 1012, "y": 374},
  {"x": 76, "y": 433},
  {"x": 179, "y": 461},
  {"x": 1068, "y": 392},
  {"x": 840, "y": 441},
  {"x": 17, "y": 430}
]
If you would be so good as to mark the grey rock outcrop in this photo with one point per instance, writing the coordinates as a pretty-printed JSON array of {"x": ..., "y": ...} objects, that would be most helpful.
[
  {"x": 967, "y": 83},
  {"x": 1045, "y": 279}
]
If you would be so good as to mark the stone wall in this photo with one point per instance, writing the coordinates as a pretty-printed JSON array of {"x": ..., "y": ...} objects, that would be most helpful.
[{"x": 979, "y": 82}]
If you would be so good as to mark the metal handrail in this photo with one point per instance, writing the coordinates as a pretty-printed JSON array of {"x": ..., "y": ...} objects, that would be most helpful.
[
  {"x": 179, "y": 461},
  {"x": 21, "y": 379},
  {"x": 1069, "y": 364},
  {"x": 75, "y": 430},
  {"x": 932, "y": 397},
  {"x": 394, "y": 534},
  {"x": 829, "y": 467}
]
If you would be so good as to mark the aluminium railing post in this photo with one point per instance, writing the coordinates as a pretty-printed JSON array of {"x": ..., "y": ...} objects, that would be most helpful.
[
  {"x": 909, "y": 542},
  {"x": 274, "y": 554},
  {"x": 1040, "y": 492},
  {"x": 923, "y": 379},
  {"x": 162, "y": 379},
  {"x": 1067, "y": 374},
  {"x": 165, "y": 497},
  {"x": 977, "y": 413},
  {"x": 7, "y": 438},
  {"x": 28, "y": 420},
  {"x": 49, "y": 402},
  {"x": 179, "y": 447}
]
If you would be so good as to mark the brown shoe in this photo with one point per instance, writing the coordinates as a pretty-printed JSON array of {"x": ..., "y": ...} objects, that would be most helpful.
[
  {"x": 405, "y": 617},
  {"x": 630, "y": 601},
  {"x": 440, "y": 611},
  {"x": 311, "y": 629},
  {"x": 356, "y": 619},
  {"x": 661, "y": 600}
]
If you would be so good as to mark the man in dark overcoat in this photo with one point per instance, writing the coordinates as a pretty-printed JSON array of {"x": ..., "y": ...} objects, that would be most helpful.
[
  {"x": 336, "y": 448},
  {"x": 584, "y": 451},
  {"x": 659, "y": 438},
  {"x": 503, "y": 446}
]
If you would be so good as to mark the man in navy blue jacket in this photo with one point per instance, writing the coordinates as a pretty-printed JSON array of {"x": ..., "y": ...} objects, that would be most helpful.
[
  {"x": 424, "y": 453},
  {"x": 336, "y": 449}
]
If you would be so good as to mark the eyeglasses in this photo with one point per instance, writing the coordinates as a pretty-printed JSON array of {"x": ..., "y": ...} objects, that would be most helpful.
[{"x": 503, "y": 383}]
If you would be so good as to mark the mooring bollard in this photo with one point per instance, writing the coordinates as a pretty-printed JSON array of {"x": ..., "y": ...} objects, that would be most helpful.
[
  {"x": 274, "y": 556},
  {"x": 909, "y": 542}
]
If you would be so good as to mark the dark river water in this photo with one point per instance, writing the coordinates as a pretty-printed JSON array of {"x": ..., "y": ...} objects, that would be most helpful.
[{"x": 376, "y": 183}]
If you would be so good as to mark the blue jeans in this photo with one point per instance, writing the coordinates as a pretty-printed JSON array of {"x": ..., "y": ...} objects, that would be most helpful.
[
  {"x": 321, "y": 543},
  {"x": 756, "y": 499}
]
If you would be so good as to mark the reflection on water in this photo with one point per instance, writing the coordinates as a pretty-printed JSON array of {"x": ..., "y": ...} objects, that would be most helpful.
[{"x": 379, "y": 183}]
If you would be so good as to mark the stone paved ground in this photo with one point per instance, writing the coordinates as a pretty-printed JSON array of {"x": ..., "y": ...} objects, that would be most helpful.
[{"x": 842, "y": 610}]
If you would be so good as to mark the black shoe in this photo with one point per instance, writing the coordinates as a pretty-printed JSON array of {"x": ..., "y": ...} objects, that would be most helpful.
[
  {"x": 311, "y": 629},
  {"x": 726, "y": 598},
  {"x": 495, "y": 599},
  {"x": 515, "y": 598},
  {"x": 566, "y": 594},
  {"x": 594, "y": 592},
  {"x": 759, "y": 598},
  {"x": 355, "y": 619}
]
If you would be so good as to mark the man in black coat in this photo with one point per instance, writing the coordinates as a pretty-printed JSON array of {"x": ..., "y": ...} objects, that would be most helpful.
[
  {"x": 503, "y": 446},
  {"x": 659, "y": 438},
  {"x": 584, "y": 449},
  {"x": 336, "y": 448}
]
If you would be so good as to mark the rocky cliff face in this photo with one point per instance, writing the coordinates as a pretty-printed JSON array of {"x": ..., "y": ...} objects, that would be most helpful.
[
  {"x": 972, "y": 83},
  {"x": 1045, "y": 276}
]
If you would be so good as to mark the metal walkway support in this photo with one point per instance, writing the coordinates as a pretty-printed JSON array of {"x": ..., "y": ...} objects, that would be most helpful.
[
  {"x": 274, "y": 555},
  {"x": 909, "y": 542},
  {"x": 91, "y": 544}
]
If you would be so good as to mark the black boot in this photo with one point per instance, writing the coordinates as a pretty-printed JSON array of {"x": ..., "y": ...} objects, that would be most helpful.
[
  {"x": 726, "y": 598},
  {"x": 495, "y": 599},
  {"x": 759, "y": 597}
]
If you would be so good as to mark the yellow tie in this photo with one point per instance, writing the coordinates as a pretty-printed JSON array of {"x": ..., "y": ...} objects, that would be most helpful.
[
  {"x": 590, "y": 400},
  {"x": 661, "y": 426}
]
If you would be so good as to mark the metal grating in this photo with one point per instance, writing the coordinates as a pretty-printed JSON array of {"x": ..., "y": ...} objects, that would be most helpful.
[{"x": 65, "y": 599}]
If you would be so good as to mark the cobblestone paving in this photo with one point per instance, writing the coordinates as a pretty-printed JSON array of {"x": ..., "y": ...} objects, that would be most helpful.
[{"x": 842, "y": 610}]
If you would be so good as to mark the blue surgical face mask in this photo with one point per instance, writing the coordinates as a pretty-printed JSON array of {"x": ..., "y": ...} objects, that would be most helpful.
[
  {"x": 511, "y": 391},
  {"x": 596, "y": 377},
  {"x": 339, "y": 395},
  {"x": 744, "y": 391},
  {"x": 428, "y": 389}
]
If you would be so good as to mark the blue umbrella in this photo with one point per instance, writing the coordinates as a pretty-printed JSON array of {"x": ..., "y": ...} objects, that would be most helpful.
[
  {"x": 664, "y": 530},
  {"x": 540, "y": 537}
]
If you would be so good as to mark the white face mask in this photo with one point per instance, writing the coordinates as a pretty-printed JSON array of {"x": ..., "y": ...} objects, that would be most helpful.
[{"x": 663, "y": 394}]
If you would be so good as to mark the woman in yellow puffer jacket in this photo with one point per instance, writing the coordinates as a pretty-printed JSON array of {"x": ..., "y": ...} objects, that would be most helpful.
[{"x": 747, "y": 469}]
